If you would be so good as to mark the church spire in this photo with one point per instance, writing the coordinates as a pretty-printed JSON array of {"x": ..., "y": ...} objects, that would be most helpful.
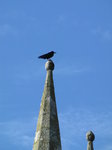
[{"x": 47, "y": 135}]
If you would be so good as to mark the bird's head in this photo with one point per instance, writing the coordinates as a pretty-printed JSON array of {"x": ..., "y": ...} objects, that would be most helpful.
[{"x": 53, "y": 52}]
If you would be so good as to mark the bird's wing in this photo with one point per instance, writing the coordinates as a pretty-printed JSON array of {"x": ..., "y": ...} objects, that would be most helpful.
[{"x": 43, "y": 56}]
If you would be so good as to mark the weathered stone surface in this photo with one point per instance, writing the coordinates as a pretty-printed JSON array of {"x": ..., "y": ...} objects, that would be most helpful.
[
  {"x": 47, "y": 135},
  {"x": 49, "y": 65},
  {"x": 90, "y": 137}
]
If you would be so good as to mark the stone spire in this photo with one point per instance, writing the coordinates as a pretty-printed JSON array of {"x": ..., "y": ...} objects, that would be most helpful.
[
  {"x": 90, "y": 138},
  {"x": 47, "y": 135}
]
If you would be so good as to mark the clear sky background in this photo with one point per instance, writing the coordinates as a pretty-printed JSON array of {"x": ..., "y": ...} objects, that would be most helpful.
[{"x": 80, "y": 31}]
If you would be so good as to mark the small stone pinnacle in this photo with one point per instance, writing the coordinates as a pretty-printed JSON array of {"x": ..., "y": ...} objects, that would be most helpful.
[
  {"x": 49, "y": 65},
  {"x": 90, "y": 136}
]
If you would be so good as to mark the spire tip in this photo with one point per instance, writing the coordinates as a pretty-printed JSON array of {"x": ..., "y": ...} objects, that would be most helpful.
[
  {"x": 49, "y": 65},
  {"x": 90, "y": 136}
]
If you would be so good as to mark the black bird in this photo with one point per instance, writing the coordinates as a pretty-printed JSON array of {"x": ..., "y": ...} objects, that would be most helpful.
[{"x": 47, "y": 55}]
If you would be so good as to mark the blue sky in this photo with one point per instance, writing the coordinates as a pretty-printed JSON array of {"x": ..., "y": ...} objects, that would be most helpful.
[{"x": 81, "y": 34}]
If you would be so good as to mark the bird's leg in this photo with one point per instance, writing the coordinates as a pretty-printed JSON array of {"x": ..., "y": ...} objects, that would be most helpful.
[{"x": 49, "y": 59}]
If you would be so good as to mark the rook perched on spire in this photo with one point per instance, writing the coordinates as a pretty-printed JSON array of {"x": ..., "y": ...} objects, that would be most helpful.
[{"x": 47, "y": 55}]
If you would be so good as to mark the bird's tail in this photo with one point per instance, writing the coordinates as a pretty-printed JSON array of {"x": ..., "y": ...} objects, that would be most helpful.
[{"x": 39, "y": 57}]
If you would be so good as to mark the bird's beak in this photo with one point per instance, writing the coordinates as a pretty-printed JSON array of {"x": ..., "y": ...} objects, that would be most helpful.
[{"x": 54, "y": 52}]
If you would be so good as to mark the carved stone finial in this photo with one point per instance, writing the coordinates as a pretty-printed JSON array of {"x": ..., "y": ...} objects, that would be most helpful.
[
  {"x": 90, "y": 136},
  {"x": 49, "y": 65}
]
